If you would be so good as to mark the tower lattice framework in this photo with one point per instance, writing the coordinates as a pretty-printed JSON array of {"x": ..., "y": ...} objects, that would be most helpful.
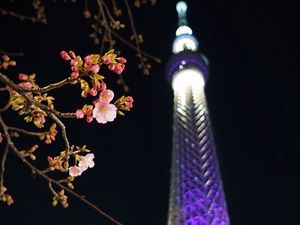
[{"x": 196, "y": 192}]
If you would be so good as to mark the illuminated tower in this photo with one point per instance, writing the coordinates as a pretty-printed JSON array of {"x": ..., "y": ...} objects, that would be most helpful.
[{"x": 196, "y": 193}]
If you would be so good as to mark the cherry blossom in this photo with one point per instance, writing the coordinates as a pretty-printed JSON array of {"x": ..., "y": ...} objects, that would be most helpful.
[
  {"x": 75, "y": 171},
  {"x": 106, "y": 96},
  {"x": 87, "y": 161},
  {"x": 104, "y": 111}
]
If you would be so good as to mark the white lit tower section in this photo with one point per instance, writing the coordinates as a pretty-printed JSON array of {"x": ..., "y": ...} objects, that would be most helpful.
[{"x": 196, "y": 192}]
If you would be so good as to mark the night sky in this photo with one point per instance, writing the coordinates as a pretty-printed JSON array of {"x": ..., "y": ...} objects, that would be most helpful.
[{"x": 252, "y": 93}]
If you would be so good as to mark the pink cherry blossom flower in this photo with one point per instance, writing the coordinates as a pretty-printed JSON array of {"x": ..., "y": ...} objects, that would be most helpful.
[
  {"x": 79, "y": 114},
  {"x": 104, "y": 112},
  {"x": 106, "y": 96},
  {"x": 87, "y": 161},
  {"x": 75, "y": 171}
]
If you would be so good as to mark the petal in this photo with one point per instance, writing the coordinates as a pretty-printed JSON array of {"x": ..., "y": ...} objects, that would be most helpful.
[{"x": 91, "y": 164}]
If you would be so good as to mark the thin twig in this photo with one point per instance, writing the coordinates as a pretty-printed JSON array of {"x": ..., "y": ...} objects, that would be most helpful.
[
  {"x": 14, "y": 54},
  {"x": 47, "y": 178},
  {"x": 21, "y": 91},
  {"x": 3, "y": 88},
  {"x": 3, "y": 160},
  {"x": 50, "y": 113},
  {"x": 134, "y": 47},
  {"x": 31, "y": 133},
  {"x": 4, "y": 108}
]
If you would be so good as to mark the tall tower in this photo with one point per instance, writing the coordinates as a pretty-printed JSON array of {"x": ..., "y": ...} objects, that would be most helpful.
[{"x": 196, "y": 192}]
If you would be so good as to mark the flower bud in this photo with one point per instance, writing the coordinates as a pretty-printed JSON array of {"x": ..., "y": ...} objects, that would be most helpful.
[
  {"x": 121, "y": 60},
  {"x": 79, "y": 114},
  {"x": 72, "y": 54},
  {"x": 64, "y": 55},
  {"x": 89, "y": 119},
  {"x": 106, "y": 60},
  {"x": 74, "y": 74},
  {"x": 119, "y": 68},
  {"x": 22, "y": 76}
]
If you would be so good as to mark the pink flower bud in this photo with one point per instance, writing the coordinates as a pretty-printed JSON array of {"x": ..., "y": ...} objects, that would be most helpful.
[
  {"x": 103, "y": 86},
  {"x": 89, "y": 119},
  {"x": 23, "y": 76},
  {"x": 88, "y": 111},
  {"x": 106, "y": 60},
  {"x": 97, "y": 86},
  {"x": 25, "y": 84},
  {"x": 1, "y": 138},
  {"x": 93, "y": 92},
  {"x": 5, "y": 57},
  {"x": 119, "y": 68},
  {"x": 106, "y": 96},
  {"x": 129, "y": 99},
  {"x": 111, "y": 66},
  {"x": 72, "y": 54},
  {"x": 73, "y": 62},
  {"x": 79, "y": 114},
  {"x": 64, "y": 55},
  {"x": 5, "y": 65},
  {"x": 121, "y": 60},
  {"x": 95, "y": 68},
  {"x": 51, "y": 106},
  {"x": 74, "y": 74},
  {"x": 88, "y": 60}
]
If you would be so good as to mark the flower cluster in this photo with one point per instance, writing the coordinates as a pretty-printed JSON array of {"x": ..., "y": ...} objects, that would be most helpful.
[
  {"x": 19, "y": 103},
  {"x": 36, "y": 105},
  {"x": 6, "y": 62},
  {"x": 124, "y": 103},
  {"x": 85, "y": 162},
  {"x": 116, "y": 64}
]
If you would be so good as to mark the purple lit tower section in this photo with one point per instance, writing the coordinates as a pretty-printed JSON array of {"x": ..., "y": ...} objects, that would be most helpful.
[{"x": 196, "y": 193}]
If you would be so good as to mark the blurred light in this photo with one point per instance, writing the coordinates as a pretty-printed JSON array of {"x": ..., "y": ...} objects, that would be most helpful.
[
  {"x": 181, "y": 7},
  {"x": 188, "y": 78},
  {"x": 184, "y": 30},
  {"x": 185, "y": 42}
]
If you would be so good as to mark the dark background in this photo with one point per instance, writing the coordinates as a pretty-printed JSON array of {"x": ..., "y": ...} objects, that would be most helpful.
[{"x": 253, "y": 97}]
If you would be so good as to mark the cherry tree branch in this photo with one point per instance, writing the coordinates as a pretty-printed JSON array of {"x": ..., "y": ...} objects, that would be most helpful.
[
  {"x": 50, "y": 181},
  {"x": 3, "y": 160}
]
